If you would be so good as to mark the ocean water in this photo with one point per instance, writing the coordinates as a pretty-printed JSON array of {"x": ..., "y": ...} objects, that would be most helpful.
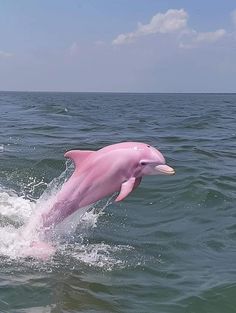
[{"x": 170, "y": 247}]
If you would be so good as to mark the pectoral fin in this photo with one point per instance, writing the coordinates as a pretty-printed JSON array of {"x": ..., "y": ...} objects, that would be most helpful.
[
  {"x": 137, "y": 182},
  {"x": 126, "y": 188}
]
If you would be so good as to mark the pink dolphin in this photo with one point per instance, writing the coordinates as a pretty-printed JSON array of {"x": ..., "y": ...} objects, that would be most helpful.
[{"x": 115, "y": 168}]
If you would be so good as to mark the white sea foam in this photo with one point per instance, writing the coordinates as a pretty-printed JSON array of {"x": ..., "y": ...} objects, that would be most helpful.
[
  {"x": 16, "y": 211},
  {"x": 15, "y": 207},
  {"x": 100, "y": 255}
]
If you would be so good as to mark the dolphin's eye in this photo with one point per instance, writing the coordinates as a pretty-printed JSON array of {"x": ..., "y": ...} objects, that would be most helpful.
[
  {"x": 149, "y": 146},
  {"x": 143, "y": 163}
]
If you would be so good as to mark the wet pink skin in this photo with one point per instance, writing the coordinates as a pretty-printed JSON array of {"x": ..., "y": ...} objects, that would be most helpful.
[{"x": 115, "y": 168}]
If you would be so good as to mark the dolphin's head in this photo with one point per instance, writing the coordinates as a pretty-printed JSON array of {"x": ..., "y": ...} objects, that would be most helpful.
[{"x": 152, "y": 162}]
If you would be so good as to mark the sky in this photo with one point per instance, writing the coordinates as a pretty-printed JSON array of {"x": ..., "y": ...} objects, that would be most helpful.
[{"x": 118, "y": 45}]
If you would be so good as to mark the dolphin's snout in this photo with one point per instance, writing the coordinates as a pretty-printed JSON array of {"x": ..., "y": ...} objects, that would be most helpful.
[{"x": 165, "y": 169}]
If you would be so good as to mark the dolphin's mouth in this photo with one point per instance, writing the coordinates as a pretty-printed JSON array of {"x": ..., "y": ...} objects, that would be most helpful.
[{"x": 165, "y": 169}]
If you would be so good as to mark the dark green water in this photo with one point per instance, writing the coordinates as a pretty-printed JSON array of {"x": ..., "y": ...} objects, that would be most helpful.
[{"x": 170, "y": 247}]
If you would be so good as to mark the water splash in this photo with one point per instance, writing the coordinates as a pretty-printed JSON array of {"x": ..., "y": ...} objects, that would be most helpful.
[
  {"x": 101, "y": 255},
  {"x": 16, "y": 212},
  {"x": 14, "y": 208}
]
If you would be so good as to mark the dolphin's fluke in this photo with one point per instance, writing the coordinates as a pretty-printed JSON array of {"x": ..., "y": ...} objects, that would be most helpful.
[{"x": 77, "y": 156}]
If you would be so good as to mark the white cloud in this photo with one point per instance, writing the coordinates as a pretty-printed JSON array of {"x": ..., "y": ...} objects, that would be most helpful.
[
  {"x": 4, "y": 54},
  {"x": 195, "y": 39},
  {"x": 164, "y": 23},
  {"x": 209, "y": 37},
  {"x": 173, "y": 21}
]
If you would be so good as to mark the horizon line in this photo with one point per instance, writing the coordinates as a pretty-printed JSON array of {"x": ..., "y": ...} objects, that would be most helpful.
[{"x": 122, "y": 92}]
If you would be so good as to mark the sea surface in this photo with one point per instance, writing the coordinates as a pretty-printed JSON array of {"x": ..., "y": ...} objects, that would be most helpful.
[{"x": 169, "y": 247}]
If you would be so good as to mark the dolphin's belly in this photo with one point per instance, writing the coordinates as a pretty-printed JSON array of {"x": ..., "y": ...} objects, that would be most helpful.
[{"x": 98, "y": 191}]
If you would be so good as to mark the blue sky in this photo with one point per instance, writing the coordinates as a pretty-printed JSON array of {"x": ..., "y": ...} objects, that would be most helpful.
[{"x": 118, "y": 45}]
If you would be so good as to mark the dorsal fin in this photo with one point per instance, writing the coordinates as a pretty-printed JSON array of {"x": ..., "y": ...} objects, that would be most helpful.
[{"x": 77, "y": 156}]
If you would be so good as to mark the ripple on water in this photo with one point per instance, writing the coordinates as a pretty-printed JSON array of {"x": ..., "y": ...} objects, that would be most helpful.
[{"x": 169, "y": 247}]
